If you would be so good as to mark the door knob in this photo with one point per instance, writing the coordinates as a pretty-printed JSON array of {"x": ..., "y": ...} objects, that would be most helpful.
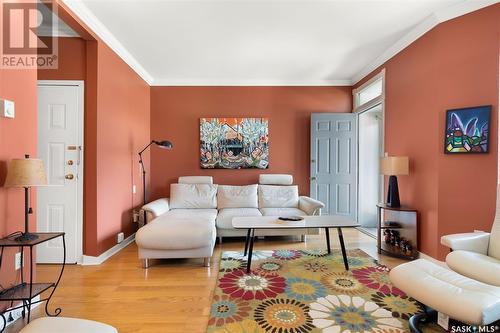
[
  {"x": 313, "y": 178},
  {"x": 69, "y": 176}
]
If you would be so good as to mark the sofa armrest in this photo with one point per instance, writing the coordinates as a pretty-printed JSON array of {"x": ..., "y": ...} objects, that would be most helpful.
[
  {"x": 156, "y": 208},
  {"x": 310, "y": 205},
  {"x": 473, "y": 241}
]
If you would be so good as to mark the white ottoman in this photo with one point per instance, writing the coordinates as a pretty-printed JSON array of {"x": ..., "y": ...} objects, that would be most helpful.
[
  {"x": 463, "y": 299},
  {"x": 66, "y": 325},
  {"x": 173, "y": 236}
]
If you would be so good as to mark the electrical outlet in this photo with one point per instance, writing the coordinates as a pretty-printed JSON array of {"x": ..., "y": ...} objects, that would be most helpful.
[
  {"x": 120, "y": 237},
  {"x": 17, "y": 261},
  {"x": 135, "y": 216},
  {"x": 134, "y": 189}
]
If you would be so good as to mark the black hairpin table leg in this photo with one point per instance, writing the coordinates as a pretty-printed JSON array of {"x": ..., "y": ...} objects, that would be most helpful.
[
  {"x": 247, "y": 240},
  {"x": 250, "y": 251},
  {"x": 342, "y": 247},
  {"x": 327, "y": 233}
]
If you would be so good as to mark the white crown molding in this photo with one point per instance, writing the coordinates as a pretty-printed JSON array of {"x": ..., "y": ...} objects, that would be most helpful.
[
  {"x": 44, "y": 31},
  {"x": 90, "y": 260},
  {"x": 248, "y": 83},
  {"x": 440, "y": 16},
  {"x": 100, "y": 30}
]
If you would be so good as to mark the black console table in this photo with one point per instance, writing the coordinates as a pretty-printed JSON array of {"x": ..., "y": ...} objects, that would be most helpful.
[{"x": 25, "y": 291}]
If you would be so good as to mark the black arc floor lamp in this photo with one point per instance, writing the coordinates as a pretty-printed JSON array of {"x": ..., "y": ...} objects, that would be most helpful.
[
  {"x": 394, "y": 166},
  {"x": 26, "y": 172},
  {"x": 162, "y": 144}
]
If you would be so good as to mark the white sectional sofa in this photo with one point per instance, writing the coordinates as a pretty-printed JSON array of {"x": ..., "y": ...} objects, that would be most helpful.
[{"x": 186, "y": 225}]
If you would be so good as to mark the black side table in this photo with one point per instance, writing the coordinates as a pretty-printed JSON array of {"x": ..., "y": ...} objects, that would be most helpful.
[{"x": 25, "y": 291}]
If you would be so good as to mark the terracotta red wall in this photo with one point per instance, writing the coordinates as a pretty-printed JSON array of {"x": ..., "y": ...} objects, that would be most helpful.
[
  {"x": 71, "y": 61},
  {"x": 123, "y": 108},
  {"x": 17, "y": 137},
  {"x": 454, "y": 65},
  {"x": 175, "y": 113}
]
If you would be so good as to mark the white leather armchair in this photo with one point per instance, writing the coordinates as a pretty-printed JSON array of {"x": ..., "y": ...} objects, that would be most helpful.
[{"x": 476, "y": 255}]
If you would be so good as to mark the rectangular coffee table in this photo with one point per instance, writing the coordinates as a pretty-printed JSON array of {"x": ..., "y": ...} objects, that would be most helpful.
[{"x": 272, "y": 222}]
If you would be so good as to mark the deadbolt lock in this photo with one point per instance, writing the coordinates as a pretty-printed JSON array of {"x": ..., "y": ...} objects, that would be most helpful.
[{"x": 69, "y": 176}]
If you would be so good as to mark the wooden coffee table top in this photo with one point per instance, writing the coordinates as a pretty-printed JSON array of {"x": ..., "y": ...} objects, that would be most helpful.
[{"x": 272, "y": 222}]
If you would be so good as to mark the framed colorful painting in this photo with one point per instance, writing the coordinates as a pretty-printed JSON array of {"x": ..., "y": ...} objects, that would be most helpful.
[
  {"x": 234, "y": 143},
  {"x": 467, "y": 130}
]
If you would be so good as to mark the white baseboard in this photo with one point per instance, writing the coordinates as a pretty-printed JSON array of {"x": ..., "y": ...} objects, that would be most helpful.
[
  {"x": 16, "y": 314},
  {"x": 437, "y": 262},
  {"x": 90, "y": 260}
]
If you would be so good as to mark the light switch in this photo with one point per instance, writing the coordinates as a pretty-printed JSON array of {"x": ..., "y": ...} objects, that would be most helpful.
[{"x": 7, "y": 108}]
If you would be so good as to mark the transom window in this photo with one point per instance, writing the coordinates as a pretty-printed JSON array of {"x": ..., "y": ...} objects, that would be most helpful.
[{"x": 371, "y": 92}]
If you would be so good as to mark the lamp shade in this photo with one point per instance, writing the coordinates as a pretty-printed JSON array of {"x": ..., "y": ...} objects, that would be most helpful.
[
  {"x": 26, "y": 172},
  {"x": 165, "y": 144},
  {"x": 394, "y": 165}
]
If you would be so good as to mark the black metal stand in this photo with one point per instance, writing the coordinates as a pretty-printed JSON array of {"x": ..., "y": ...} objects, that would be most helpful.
[
  {"x": 26, "y": 235},
  {"x": 162, "y": 144},
  {"x": 24, "y": 292},
  {"x": 141, "y": 162}
]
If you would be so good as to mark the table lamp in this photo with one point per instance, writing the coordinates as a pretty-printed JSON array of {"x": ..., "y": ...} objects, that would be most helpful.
[
  {"x": 26, "y": 172},
  {"x": 394, "y": 166}
]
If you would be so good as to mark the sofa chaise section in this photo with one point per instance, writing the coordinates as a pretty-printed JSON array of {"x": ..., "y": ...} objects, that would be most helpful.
[{"x": 182, "y": 227}]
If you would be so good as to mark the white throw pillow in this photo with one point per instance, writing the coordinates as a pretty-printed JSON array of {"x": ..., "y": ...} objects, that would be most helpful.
[
  {"x": 193, "y": 196},
  {"x": 237, "y": 196},
  {"x": 278, "y": 196}
]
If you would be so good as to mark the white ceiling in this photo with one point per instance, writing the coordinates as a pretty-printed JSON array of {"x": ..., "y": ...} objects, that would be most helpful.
[{"x": 262, "y": 42}]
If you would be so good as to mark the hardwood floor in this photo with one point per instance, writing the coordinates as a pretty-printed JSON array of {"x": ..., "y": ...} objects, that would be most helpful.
[{"x": 171, "y": 296}]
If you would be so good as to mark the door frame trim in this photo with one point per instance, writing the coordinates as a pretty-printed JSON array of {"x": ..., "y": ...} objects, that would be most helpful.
[
  {"x": 80, "y": 84},
  {"x": 360, "y": 109}
]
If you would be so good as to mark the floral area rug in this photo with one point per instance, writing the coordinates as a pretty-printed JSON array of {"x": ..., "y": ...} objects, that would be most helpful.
[{"x": 291, "y": 291}]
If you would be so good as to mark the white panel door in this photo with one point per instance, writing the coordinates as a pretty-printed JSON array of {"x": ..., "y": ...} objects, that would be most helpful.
[
  {"x": 59, "y": 205},
  {"x": 334, "y": 162}
]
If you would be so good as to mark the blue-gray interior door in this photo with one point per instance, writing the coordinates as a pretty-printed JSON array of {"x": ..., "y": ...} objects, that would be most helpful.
[{"x": 334, "y": 145}]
